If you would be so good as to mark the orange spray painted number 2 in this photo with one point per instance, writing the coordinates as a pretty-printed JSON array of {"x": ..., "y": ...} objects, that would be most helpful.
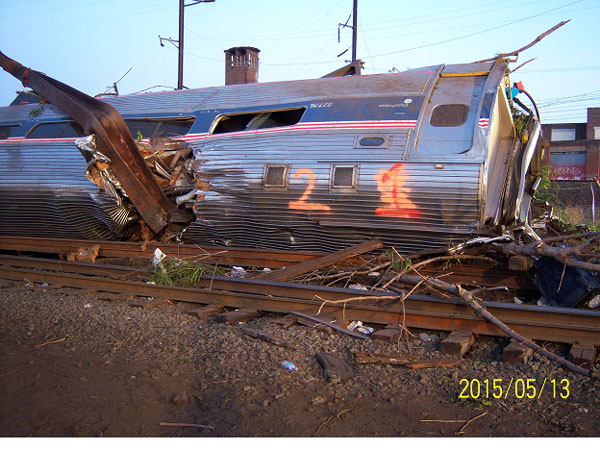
[{"x": 302, "y": 203}]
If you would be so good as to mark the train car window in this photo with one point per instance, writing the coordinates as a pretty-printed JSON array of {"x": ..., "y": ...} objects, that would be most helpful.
[
  {"x": 72, "y": 130},
  {"x": 449, "y": 115},
  {"x": 7, "y": 131},
  {"x": 372, "y": 141},
  {"x": 145, "y": 128},
  {"x": 46, "y": 130},
  {"x": 170, "y": 128},
  {"x": 275, "y": 176},
  {"x": 343, "y": 177},
  {"x": 229, "y": 123}
]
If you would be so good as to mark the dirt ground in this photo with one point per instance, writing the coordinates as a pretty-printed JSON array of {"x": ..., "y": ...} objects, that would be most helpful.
[{"x": 74, "y": 364}]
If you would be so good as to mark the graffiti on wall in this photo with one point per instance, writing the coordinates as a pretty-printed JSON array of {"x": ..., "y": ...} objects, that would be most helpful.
[
  {"x": 391, "y": 183},
  {"x": 568, "y": 172},
  {"x": 302, "y": 203}
]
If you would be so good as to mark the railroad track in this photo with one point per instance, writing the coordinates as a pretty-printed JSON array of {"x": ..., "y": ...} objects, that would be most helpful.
[
  {"x": 539, "y": 323},
  {"x": 474, "y": 274}
]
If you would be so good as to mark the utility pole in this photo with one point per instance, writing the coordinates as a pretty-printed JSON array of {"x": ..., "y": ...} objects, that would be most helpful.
[
  {"x": 354, "y": 29},
  {"x": 182, "y": 5}
]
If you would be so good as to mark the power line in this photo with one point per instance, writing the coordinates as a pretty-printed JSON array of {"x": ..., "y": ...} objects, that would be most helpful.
[
  {"x": 100, "y": 19},
  {"x": 475, "y": 34}
]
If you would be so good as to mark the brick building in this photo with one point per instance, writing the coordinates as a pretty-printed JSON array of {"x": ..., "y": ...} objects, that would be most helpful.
[
  {"x": 241, "y": 65},
  {"x": 574, "y": 148}
]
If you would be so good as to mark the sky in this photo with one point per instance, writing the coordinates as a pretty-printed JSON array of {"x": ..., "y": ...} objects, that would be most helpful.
[{"x": 90, "y": 44}]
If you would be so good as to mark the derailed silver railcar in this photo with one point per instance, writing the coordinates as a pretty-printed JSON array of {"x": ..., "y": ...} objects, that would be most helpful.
[{"x": 419, "y": 159}]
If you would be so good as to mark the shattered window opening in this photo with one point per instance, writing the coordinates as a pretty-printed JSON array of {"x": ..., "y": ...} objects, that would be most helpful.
[
  {"x": 150, "y": 128},
  {"x": 257, "y": 120},
  {"x": 449, "y": 115},
  {"x": 7, "y": 131},
  {"x": 46, "y": 130}
]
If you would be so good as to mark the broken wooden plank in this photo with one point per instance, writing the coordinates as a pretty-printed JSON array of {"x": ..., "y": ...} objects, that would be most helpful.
[
  {"x": 515, "y": 352},
  {"x": 286, "y": 321},
  {"x": 237, "y": 316},
  {"x": 206, "y": 312},
  {"x": 287, "y": 273},
  {"x": 332, "y": 325},
  {"x": 457, "y": 343},
  {"x": 433, "y": 363},
  {"x": 268, "y": 338},
  {"x": 582, "y": 353},
  {"x": 375, "y": 358}
]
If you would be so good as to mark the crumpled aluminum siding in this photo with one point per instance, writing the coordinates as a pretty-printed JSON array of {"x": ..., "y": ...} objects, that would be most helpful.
[
  {"x": 238, "y": 210},
  {"x": 44, "y": 192}
]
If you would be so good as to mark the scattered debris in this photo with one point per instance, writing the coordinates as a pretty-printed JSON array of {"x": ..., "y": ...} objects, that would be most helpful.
[
  {"x": 267, "y": 338},
  {"x": 358, "y": 326},
  {"x": 291, "y": 272},
  {"x": 335, "y": 369},
  {"x": 374, "y": 358},
  {"x": 57, "y": 341},
  {"x": 237, "y": 316},
  {"x": 433, "y": 363},
  {"x": 180, "y": 399},
  {"x": 192, "y": 425},
  {"x": 325, "y": 322},
  {"x": 288, "y": 365},
  {"x": 457, "y": 343},
  {"x": 88, "y": 255},
  {"x": 206, "y": 312}
]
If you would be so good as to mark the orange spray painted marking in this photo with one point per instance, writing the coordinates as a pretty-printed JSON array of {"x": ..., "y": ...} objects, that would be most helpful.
[
  {"x": 390, "y": 183},
  {"x": 301, "y": 203}
]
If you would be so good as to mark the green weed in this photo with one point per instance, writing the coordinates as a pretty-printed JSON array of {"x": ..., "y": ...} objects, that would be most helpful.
[{"x": 183, "y": 273}]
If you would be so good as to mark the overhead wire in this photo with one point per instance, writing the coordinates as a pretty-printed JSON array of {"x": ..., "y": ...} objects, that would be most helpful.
[{"x": 477, "y": 33}]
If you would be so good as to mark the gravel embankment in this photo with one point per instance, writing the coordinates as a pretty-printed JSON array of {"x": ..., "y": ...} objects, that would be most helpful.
[{"x": 237, "y": 384}]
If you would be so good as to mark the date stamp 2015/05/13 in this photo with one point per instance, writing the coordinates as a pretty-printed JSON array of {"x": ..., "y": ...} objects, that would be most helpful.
[{"x": 499, "y": 388}]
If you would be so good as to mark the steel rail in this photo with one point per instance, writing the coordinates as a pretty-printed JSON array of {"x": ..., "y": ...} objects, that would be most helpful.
[
  {"x": 540, "y": 323},
  {"x": 138, "y": 250},
  {"x": 474, "y": 274}
]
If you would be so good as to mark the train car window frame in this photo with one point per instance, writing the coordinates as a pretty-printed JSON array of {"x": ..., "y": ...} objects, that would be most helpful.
[
  {"x": 333, "y": 176},
  {"x": 7, "y": 130},
  {"x": 284, "y": 176},
  {"x": 256, "y": 120},
  {"x": 44, "y": 127},
  {"x": 185, "y": 123},
  {"x": 368, "y": 141},
  {"x": 449, "y": 115}
]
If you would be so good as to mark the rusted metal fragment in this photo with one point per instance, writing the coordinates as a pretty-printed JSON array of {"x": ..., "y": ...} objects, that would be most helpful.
[
  {"x": 84, "y": 254},
  {"x": 113, "y": 140}
]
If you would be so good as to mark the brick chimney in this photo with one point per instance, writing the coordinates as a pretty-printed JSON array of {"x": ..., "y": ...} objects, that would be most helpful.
[{"x": 241, "y": 65}]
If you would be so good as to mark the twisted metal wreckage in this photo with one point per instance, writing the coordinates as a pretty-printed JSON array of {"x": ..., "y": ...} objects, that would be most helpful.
[{"x": 419, "y": 159}]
